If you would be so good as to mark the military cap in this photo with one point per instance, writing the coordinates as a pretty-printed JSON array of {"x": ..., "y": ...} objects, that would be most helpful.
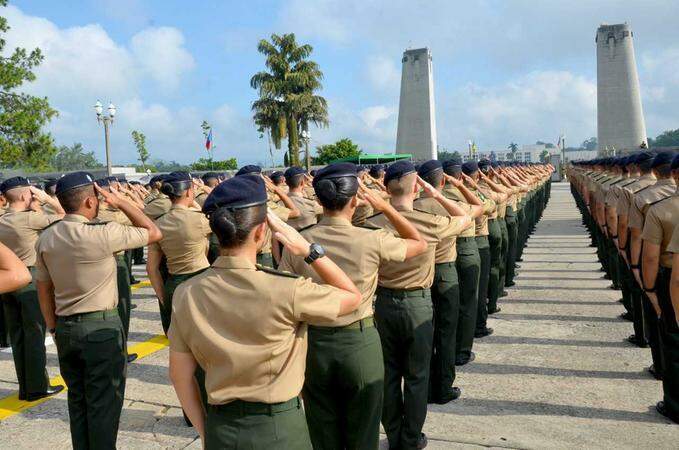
[
  {"x": 662, "y": 158},
  {"x": 50, "y": 182},
  {"x": 210, "y": 176},
  {"x": 14, "y": 182},
  {"x": 237, "y": 193},
  {"x": 361, "y": 168},
  {"x": 675, "y": 162},
  {"x": 496, "y": 164},
  {"x": 643, "y": 157},
  {"x": 176, "y": 182},
  {"x": 156, "y": 179},
  {"x": 121, "y": 179},
  {"x": 103, "y": 182},
  {"x": 336, "y": 170},
  {"x": 375, "y": 170},
  {"x": 398, "y": 170},
  {"x": 453, "y": 166},
  {"x": 249, "y": 169},
  {"x": 276, "y": 175},
  {"x": 313, "y": 173},
  {"x": 484, "y": 164},
  {"x": 470, "y": 167},
  {"x": 135, "y": 182},
  {"x": 293, "y": 172},
  {"x": 74, "y": 180},
  {"x": 429, "y": 167}
]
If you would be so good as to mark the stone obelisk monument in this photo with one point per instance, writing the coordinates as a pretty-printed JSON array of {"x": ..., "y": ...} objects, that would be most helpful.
[
  {"x": 620, "y": 118},
  {"x": 416, "y": 115}
]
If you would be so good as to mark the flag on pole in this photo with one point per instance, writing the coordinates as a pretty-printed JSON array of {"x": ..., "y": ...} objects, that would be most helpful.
[{"x": 208, "y": 141}]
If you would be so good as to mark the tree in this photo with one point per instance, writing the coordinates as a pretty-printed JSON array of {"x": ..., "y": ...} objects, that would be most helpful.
[
  {"x": 140, "y": 142},
  {"x": 446, "y": 155},
  {"x": 544, "y": 156},
  {"x": 589, "y": 144},
  {"x": 669, "y": 138},
  {"x": 287, "y": 102},
  {"x": 207, "y": 164},
  {"x": 73, "y": 158},
  {"x": 22, "y": 116},
  {"x": 513, "y": 148},
  {"x": 168, "y": 166},
  {"x": 344, "y": 148}
]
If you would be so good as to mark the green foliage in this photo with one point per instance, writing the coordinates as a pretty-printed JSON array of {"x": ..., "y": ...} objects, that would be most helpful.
[
  {"x": 287, "y": 102},
  {"x": 73, "y": 158},
  {"x": 205, "y": 164},
  {"x": 513, "y": 148},
  {"x": 167, "y": 166},
  {"x": 444, "y": 155},
  {"x": 669, "y": 138},
  {"x": 22, "y": 116},
  {"x": 589, "y": 144},
  {"x": 344, "y": 148},
  {"x": 140, "y": 142},
  {"x": 544, "y": 156}
]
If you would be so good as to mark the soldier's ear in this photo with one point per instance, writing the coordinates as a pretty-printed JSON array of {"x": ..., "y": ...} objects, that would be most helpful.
[{"x": 354, "y": 201}]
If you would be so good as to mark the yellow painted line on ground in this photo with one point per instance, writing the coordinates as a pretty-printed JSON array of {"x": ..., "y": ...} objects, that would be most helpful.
[{"x": 11, "y": 405}]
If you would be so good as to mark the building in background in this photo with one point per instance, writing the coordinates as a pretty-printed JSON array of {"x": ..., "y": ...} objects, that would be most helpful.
[
  {"x": 620, "y": 118},
  {"x": 416, "y": 132}
]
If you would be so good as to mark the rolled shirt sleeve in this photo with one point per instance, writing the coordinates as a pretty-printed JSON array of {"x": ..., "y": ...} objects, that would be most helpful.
[
  {"x": 313, "y": 302},
  {"x": 121, "y": 237},
  {"x": 652, "y": 231},
  {"x": 392, "y": 248}
]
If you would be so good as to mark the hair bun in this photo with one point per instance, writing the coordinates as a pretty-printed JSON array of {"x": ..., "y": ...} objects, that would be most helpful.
[{"x": 167, "y": 189}]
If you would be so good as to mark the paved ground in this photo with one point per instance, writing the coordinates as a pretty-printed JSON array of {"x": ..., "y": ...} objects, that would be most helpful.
[{"x": 556, "y": 373}]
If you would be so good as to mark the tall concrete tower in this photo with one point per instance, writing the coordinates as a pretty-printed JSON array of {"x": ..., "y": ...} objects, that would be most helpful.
[
  {"x": 416, "y": 115},
  {"x": 620, "y": 119}
]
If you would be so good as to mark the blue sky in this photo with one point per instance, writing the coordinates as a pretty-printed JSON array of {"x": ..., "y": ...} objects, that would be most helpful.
[{"x": 504, "y": 71}]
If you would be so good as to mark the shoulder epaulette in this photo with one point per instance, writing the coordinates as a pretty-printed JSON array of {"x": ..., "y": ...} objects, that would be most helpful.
[
  {"x": 374, "y": 215},
  {"x": 307, "y": 227},
  {"x": 627, "y": 184},
  {"x": 662, "y": 199},
  {"x": 276, "y": 272},
  {"x": 423, "y": 211},
  {"x": 643, "y": 188},
  {"x": 97, "y": 223},
  {"x": 55, "y": 222},
  {"x": 368, "y": 227}
]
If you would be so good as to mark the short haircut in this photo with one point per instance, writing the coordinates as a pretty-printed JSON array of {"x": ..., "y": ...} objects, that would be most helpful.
[
  {"x": 401, "y": 186},
  {"x": 664, "y": 171},
  {"x": 72, "y": 199},
  {"x": 14, "y": 195},
  {"x": 434, "y": 177},
  {"x": 294, "y": 182}
]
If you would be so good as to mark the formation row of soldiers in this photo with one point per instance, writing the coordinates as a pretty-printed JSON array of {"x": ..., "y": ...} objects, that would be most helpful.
[
  {"x": 356, "y": 290},
  {"x": 631, "y": 209}
]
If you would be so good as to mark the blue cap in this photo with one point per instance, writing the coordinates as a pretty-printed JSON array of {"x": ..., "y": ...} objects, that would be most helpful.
[
  {"x": 375, "y": 170},
  {"x": 336, "y": 170},
  {"x": 14, "y": 182},
  {"x": 361, "y": 168},
  {"x": 176, "y": 182},
  {"x": 237, "y": 193},
  {"x": 50, "y": 182},
  {"x": 662, "y": 158},
  {"x": 642, "y": 157},
  {"x": 675, "y": 162},
  {"x": 209, "y": 176},
  {"x": 453, "y": 166},
  {"x": 293, "y": 172},
  {"x": 249, "y": 169},
  {"x": 276, "y": 175},
  {"x": 484, "y": 164},
  {"x": 470, "y": 167},
  {"x": 103, "y": 182},
  {"x": 398, "y": 170},
  {"x": 429, "y": 167},
  {"x": 74, "y": 180}
]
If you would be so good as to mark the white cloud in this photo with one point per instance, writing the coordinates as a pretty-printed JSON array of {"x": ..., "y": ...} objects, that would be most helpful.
[
  {"x": 160, "y": 53},
  {"x": 383, "y": 74},
  {"x": 373, "y": 115}
]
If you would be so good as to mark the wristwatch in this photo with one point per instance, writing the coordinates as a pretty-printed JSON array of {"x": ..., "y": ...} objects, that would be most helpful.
[{"x": 315, "y": 252}]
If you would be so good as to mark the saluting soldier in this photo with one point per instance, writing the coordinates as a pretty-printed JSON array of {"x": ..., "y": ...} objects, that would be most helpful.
[
  {"x": 663, "y": 188},
  {"x": 403, "y": 310},
  {"x": 657, "y": 262},
  {"x": 670, "y": 335},
  {"x": 218, "y": 309},
  {"x": 295, "y": 178},
  {"x": 76, "y": 276},
  {"x": 344, "y": 384},
  {"x": 20, "y": 228},
  {"x": 13, "y": 272},
  {"x": 445, "y": 293},
  {"x": 50, "y": 188},
  {"x": 159, "y": 203},
  {"x": 278, "y": 178}
]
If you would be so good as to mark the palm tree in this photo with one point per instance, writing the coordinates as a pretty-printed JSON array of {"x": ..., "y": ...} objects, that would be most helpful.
[
  {"x": 287, "y": 103},
  {"x": 513, "y": 148}
]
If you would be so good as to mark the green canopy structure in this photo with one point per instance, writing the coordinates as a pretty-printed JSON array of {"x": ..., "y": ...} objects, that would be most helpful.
[{"x": 375, "y": 158}]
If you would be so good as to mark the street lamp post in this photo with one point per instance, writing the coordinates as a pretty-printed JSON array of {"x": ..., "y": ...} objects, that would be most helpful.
[
  {"x": 107, "y": 120},
  {"x": 307, "y": 137}
]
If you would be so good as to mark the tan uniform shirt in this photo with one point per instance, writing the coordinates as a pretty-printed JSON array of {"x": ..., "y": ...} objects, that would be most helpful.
[
  {"x": 283, "y": 213},
  {"x": 489, "y": 208},
  {"x": 417, "y": 272},
  {"x": 158, "y": 206},
  {"x": 626, "y": 196},
  {"x": 674, "y": 242},
  {"x": 49, "y": 209},
  {"x": 643, "y": 198},
  {"x": 200, "y": 198},
  {"x": 446, "y": 250},
  {"x": 108, "y": 214},
  {"x": 661, "y": 219},
  {"x": 19, "y": 231},
  {"x": 358, "y": 251},
  {"x": 308, "y": 208},
  {"x": 77, "y": 256},
  {"x": 361, "y": 214},
  {"x": 244, "y": 325},
  {"x": 185, "y": 240},
  {"x": 453, "y": 193}
]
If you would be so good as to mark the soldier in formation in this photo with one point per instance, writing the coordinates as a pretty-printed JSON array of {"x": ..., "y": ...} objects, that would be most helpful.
[
  {"x": 630, "y": 207},
  {"x": 387, "y": 275}
]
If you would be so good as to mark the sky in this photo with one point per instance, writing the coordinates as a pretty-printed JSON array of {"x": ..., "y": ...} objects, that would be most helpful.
[{"x": 504, "y": 70}]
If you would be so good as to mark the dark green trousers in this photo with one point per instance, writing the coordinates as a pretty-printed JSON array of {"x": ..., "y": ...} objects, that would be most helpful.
[
  {"x": 124, "y": 293},
  {"x": 344, "y": 386},
  {"x": 265, "y": 259},
  {"x": 138, "y": 255},
  {"x": 128, "y": 260},
  {"x": 484, "y": 277},
  {"x": 495, "y": 248},
  {"x": 468, "y": 270},
  {"x": 26, "y": 328},
  {"x": 510, "y": 260},
  {"x": 520, "y": 230},
  {"x": 445, "y": 296},
  {"x": 404, "y": 320},
  {"x": 173, "y": 280},
  {"x": 92, "y": 360},
  {"x": 257, "y": 426},
  {"x": 669, "y": 337},
  {"x": 503, "y": 253},
  {"x": 4, "y": 334}
]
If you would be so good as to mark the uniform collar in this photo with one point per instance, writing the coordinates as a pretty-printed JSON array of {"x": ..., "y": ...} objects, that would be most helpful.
[
  {"x": 647, "y": 176},
  {"x": 335, "y": 221},
  {"x": 665, "y": 182},
  {"x": 233, "y": 262},
  {"x": 296, "y": 194},
  {"x": 178, "y": 206},
  {"x": 76, "y": 218}
]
